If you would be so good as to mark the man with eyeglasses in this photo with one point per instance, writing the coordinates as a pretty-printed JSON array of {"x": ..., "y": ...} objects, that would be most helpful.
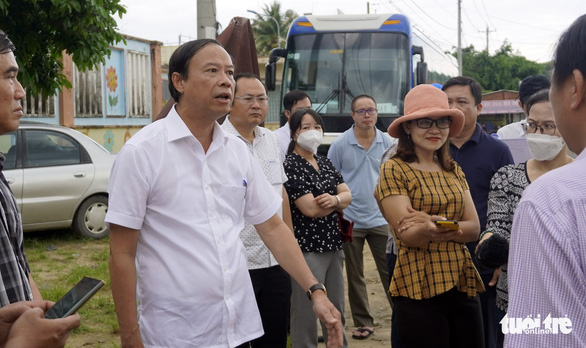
[
  {"x": 480, "y": 156},
  {"x": 357, "y": 155},
  {"x": 271, "y": 284}
]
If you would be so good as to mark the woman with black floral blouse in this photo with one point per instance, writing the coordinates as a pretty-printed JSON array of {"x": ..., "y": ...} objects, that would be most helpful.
[{"x": 317, "y": 193}]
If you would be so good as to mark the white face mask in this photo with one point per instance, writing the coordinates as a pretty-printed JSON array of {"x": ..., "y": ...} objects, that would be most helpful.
[
  {"x": 310, "y": 140},
  {"x": 544, "y": 147}
]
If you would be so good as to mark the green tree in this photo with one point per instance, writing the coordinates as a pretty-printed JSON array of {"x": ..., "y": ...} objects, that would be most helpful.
[
  {"x": 503, "y": 70},
  {"x": 265, "y": 29},
  {"x": 42, "y": 30}
]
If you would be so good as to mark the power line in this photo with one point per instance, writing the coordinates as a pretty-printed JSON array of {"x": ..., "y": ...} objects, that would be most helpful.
[
  {"x": 397, "y": 8},
  {"x": 433, "y": 19}
]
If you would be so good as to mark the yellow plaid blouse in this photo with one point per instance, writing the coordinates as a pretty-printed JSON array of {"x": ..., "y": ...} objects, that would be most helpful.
[{"x": 424, "y": 272}]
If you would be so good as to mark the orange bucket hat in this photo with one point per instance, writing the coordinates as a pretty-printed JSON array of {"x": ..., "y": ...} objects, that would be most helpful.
[{"x": 427, "y": 101}]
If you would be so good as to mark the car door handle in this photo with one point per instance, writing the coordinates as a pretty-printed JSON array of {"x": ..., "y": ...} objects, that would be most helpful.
[
  {"x": 80, "y": 174},
  {"x": 10, "y": 180}
]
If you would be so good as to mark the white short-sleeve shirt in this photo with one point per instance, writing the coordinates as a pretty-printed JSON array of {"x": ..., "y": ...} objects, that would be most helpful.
[
  {"x": 283, "y": 135},
  {"x": 193, "y": 286},
  {"x": 265, "y": 151}
]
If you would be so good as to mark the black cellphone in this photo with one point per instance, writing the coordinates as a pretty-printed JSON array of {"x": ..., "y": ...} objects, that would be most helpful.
[
  {"x": 451, "y": 224},
  {"x": 74, "y": 298}
]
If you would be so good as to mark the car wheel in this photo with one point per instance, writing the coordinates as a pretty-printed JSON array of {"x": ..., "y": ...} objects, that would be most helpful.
[{"x": 90, "y": 216}]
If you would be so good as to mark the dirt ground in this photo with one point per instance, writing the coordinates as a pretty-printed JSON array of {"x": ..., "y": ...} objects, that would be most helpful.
[{"x": 379, "y": 305}]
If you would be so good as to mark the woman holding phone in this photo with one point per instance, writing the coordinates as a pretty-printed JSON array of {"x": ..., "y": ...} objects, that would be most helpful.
[{"x": 435, "y": 285}]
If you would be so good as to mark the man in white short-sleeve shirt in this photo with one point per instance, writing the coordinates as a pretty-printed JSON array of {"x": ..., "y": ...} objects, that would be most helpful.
[
  {"x": 180, "y": 191},
  {"x": 271, "y": 284}
]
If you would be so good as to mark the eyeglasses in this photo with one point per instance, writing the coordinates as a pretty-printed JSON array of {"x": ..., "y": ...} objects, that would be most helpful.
[
  {"x": 546, "y": 128},
  {"x": 441, "y": 123},
  {"x": 362, "y": 112},
  {"x": 251, "y": 100}
]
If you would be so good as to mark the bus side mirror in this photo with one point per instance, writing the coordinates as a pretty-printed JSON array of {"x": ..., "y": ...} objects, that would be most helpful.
[
  {"x": 421, "y": 73},
  {"x": 271, "y": 67},
  {"x": 270, "y": 73}
]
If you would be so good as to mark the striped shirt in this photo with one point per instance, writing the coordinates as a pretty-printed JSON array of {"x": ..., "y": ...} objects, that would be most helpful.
[
  {"x": 547, "y": 256},
  {"x": 424, "y": 272},
  {"x": 14, "y": 269}
]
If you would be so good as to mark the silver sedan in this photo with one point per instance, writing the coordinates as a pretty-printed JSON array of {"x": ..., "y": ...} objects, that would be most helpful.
[{"x": 59, "y": 177}]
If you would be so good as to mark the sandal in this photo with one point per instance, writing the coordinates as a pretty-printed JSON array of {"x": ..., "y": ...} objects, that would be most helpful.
[{"x": 362, "y": 330}]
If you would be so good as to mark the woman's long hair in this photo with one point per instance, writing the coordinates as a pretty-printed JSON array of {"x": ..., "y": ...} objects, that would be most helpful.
[
  {"x": 406, "y": 151},
  {"x": 295, "y": 124}
]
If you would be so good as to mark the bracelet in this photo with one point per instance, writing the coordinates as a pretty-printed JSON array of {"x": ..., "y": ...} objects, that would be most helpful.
[
  {"x": 483, "y": 233},
  {"x": 339, "y": 200}
]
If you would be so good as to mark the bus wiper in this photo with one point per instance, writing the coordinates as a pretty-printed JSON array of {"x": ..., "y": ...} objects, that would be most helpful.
[
  {"x": 332, "y": 95},
  {"x": 346, "y": 90}
]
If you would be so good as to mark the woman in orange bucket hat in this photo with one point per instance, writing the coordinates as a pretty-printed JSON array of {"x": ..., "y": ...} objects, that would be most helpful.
[{"x": 435, "y": 285}]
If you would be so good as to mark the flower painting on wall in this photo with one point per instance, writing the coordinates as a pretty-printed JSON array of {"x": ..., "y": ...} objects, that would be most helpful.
[{"x": 114, "y": 84}]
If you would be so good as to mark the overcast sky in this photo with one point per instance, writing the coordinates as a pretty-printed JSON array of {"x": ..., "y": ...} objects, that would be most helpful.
[{"x": 531, "y": 26}]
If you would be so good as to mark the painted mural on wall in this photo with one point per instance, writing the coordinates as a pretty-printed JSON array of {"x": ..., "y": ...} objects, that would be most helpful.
[{"x": 114, "y": 84}]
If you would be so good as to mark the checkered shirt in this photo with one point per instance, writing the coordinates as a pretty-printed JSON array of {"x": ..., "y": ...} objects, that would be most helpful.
[{"x": 424, "y": 272}]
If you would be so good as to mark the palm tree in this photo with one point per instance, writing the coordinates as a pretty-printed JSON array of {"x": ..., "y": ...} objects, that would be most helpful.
[{"x": 265, "y": 29}]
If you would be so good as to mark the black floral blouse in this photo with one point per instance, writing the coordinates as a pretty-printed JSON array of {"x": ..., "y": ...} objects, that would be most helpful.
[{"x": 313, "y": 234}]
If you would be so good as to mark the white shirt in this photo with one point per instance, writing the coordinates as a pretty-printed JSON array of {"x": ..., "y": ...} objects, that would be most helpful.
[
  {"x": 512, "y": 130},
  {"x": 266, "y": 152},
  {"x": 283, "y": 135},
  {"x": 193, "y": 287}
]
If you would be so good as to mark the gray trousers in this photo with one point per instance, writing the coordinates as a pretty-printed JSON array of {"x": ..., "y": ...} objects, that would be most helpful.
[
  {"x": 357, "y": 293},
  {"x": 327, "y": 268}
]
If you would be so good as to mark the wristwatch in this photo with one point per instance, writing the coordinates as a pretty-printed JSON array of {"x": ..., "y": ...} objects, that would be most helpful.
[
  {"x": 338, "y": 199},
  {"x": 316, "y": 287}
]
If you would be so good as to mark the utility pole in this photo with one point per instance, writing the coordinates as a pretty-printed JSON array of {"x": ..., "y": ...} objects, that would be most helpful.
[
  {"x": 206, "y": 19},
  {"x": 460, "y": 37},
  {"x": 487, "y": 32}
]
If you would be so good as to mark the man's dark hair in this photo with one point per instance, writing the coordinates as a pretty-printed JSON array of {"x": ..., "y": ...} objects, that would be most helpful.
[
  {"x": 6, "y": 46},
  {"x": 292, "y": 97},
  {"x": 180, "y": 59},
  {"x": 539, "y": 97},
  {"x": 247, "y": 75},
  {"x": 570, "y": 52},
  {"x": 360, "y": 97},
  {"x": 295, "y": 123},
  {"x": 475, "y": 87},
  {"x": 531, "y": 85}
]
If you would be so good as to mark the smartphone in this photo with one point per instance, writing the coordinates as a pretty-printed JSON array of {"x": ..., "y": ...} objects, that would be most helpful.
[
  {"x": 74, "y": 298},
  {"x": 451, "y": 224}
]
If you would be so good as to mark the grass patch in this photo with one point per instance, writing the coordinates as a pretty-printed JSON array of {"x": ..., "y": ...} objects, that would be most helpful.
[{"x": 58, "y": 260}]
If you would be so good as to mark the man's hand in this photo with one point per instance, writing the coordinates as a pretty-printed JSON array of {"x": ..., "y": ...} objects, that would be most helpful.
[
  {"x": 331, "y": 317},
  {"x": 8, "y": 315},
  {"x": 32, "y": 330}
]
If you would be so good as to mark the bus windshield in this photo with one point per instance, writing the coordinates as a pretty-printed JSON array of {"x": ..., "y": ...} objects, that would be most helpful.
[{"x": 333, "y": 68}]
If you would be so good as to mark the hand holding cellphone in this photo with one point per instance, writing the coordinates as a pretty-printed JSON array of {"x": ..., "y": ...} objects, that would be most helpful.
[
  {"x": 74, "y": 298},
  {"x": 451, "y": 224}
]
